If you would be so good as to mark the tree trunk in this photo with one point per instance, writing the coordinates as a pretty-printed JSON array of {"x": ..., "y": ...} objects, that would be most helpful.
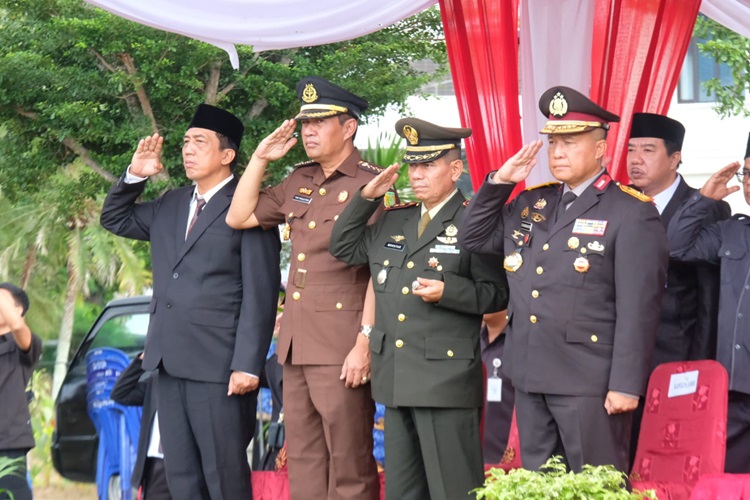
[{"x": 66, "y": 327}]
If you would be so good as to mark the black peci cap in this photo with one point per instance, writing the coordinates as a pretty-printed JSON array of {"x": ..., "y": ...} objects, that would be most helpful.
[
  {"x": 658, "y": 126},
  {"x": 571, "y": 112},
  {"x": 427, "y": 141},
  {"x": 321, "y": 99},
  {"x": 218, "y": 120}
]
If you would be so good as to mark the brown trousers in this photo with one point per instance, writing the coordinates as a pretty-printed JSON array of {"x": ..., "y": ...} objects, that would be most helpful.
[{"x": 329, "y": 435}]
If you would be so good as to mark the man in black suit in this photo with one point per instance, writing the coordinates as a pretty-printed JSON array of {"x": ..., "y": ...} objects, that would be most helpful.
[
  {"x": 586, "y": 261},
  {"x": 213, "y": 309},
  {"x": 690, "y": 307},
  {"x": 135, "y": 387}
]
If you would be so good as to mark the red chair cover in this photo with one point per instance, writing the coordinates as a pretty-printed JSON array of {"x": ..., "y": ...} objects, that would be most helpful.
[
  {"x": 682, "y": 437},
  {"x": 512, "y": 455},
  {"x": 712, "y": 486}
]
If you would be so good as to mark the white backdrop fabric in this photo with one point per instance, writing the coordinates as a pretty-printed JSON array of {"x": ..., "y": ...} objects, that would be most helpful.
[
  {"x": 265, "y": 24},
  {"x": 282, "y": 24}
]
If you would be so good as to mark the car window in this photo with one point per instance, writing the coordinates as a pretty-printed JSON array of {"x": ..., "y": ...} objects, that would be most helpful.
[{"x": 126, "y": 332}]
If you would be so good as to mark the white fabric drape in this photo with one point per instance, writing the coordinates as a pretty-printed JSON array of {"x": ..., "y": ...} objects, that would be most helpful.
[
  {"x": 734, "y": 14},
  {"x": 555, "y": 50},
  {"x": 265, "y": 24}
]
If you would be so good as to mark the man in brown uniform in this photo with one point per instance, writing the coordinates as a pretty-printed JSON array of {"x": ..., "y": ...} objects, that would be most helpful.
[{"x": 328, "y": 408}]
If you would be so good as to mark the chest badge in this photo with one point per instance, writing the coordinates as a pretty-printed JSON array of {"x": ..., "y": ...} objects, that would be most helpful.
[
  {"x": 540, "y": 204},
  {"x": 525, "y": 213},
  {"x": 573, "y": 242},
  {"x": 595, "y": 246},
  {"x": 398, "y": 237},
  {"x": 450, "y": 235},
  {"x": 305, "y": 191},
  {"x": 343, "y": 195},
  {"x": 513, "y": 262},
  {"x": 382, "y": 276},
  {"x": 581, "y": 264},
  {"x": 433, "y": 262}
]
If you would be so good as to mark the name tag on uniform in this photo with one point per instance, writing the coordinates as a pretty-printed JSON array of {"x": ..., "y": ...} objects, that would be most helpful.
[
  {"x": 681, "y": 384},
  {"x": 302, "y": 199},
  {"x": 590, "y": 226},
  {"x": 395, "y": 246},
  {"x": 494, "y": 390},
  {"x": 445, "y": 249}
]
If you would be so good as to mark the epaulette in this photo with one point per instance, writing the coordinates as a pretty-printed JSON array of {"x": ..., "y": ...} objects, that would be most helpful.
[
  {"x": 635, "y": 193},
  {"x": 739, "y": 217},
  {"x": 369, "y": 167},
  {"x": 546, "y": 184},
  {"x": 403, "y": 205},
  {"x": 305, "y": 163}
]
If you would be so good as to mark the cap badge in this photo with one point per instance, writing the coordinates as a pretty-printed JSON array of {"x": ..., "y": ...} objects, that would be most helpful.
[
  {"x": 309, "y": 94},
  {"x": 411, "y": 135},
  {"x": 558, "y": 106}
]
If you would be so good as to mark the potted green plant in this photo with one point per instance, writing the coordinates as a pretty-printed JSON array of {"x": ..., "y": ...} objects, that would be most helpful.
[{"x": 555, "y": 481}]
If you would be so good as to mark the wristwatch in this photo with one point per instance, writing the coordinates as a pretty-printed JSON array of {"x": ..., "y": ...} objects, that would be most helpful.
[{"x": 365, "y": 330}]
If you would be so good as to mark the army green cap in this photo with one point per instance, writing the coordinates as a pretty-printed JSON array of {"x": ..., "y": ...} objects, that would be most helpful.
[{"x": 426, "y": 141}]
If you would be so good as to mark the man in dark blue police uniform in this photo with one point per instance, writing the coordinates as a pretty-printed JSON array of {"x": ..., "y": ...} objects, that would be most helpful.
[
  {"x": 726, "y": 243},
  {"x": 586, "y": 261}
]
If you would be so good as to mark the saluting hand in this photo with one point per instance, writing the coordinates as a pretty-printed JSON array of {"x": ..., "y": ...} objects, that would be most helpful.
[
  {"x": 716, "y": 186},
  {"x": 518, "y": 166},
  {"x": 147, "y": 157},
  {"x": 619, "y": 403},
  {"x": 242, "y": 383},
  {"x": 277, "y": 143},
  {"x": 382, "y": 182}
]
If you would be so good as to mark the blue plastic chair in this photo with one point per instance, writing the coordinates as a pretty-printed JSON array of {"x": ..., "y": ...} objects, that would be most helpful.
[{"x": 117, "y": 426}]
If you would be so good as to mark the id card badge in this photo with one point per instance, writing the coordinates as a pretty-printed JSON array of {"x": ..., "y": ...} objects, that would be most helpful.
[{"x": 495, "y": 384}]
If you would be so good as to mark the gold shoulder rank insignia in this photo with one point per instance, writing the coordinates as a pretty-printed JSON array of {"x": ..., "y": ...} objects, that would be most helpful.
[
  {"x": 369, "y": 167},
  {"x": 635, "y": 193},
  {"x": 546, "y": 184},
  {"x": 305, "y": 164},
  {"x": 403, "y": 205}
]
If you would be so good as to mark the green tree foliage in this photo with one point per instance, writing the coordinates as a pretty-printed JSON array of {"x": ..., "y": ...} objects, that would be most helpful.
[
  {"x": 726, "y": 47},
  {"x": 77, "y": 82}
]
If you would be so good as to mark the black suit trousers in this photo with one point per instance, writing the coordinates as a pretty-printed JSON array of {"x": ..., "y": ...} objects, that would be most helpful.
[{"x": 205, "y": 435}]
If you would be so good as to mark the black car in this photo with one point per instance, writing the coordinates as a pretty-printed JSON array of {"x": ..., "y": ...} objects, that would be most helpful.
[{"x": 122, "y": 324}]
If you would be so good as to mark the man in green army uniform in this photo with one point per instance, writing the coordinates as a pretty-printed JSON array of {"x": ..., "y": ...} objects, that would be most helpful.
[{"x": 430, "y": 297}]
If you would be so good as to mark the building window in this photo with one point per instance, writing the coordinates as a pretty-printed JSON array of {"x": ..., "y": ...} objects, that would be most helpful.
[{"x": 698, "y": 68}]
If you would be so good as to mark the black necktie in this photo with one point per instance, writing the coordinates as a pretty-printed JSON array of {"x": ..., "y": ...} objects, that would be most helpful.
[
  {"x": 567, "y": 198},
  {"x": 199, "y": 204}
]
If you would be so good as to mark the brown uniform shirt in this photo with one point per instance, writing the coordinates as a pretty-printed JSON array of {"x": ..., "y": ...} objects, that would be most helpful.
[{"x": 324, "y": 296}]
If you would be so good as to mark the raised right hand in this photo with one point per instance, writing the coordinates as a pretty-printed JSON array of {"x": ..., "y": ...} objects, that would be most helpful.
[
  {"x": 277, "y": 143},
  {"x": 518, "y": 166},
  {"x": 382, "y": 182},
  {"x": 716, "y": 186},
  {"x": 147, "y": 157}
]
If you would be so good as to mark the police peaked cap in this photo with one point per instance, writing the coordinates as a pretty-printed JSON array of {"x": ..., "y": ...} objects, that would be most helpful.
[
  {"x": 218, "y": 120},
  {"x": 426, "y": 141},
  {"x": 571, "y": 112},
  {"x": 659, "y": 126},
  {"x": 321, "y": 99}
]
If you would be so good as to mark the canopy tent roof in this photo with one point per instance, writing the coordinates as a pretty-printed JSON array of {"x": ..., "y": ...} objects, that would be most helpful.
[{"x": 281, "y": 24}]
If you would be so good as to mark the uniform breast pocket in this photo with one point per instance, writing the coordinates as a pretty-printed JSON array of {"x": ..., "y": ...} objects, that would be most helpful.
[
  {"x": 436, "y": 264},
  {"x": 385, "y": 267},
  {"x": 732, "y": 257},
  {"x": 294, "y": 215}
]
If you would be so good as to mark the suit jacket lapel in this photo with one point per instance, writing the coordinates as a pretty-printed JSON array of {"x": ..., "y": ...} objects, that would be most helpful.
[
  {"x": 213, "y": 209},
  {"x": 436, "y": 225},
  {"x": 680, "y": 195},
  {"x": 181, "y": 218}
]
